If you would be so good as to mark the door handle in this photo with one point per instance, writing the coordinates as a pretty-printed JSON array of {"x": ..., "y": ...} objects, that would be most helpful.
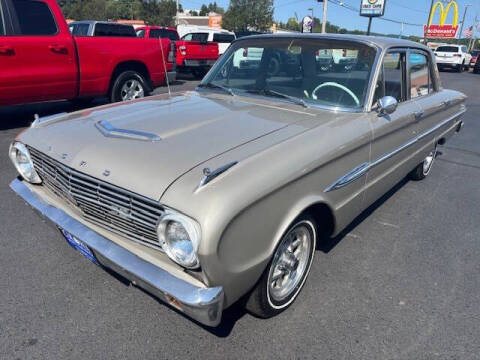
[
  {"x": 6, "y": 50},
  {"x": 59, "y": 49},
  {"x": 419, "y": 115},
  {"x": 446, "y": 102}
]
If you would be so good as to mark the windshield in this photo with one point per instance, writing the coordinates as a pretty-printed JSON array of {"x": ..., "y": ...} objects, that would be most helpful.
[
  {"x": 331, "y": 73},
  {"x": 451, "y": 49}
]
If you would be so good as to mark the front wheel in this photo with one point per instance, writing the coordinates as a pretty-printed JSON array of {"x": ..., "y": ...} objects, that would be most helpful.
[
  {"x": 423, "y": 169},
  {"x": 128, "y": 85},
  {"x": 284, "y": 277}
]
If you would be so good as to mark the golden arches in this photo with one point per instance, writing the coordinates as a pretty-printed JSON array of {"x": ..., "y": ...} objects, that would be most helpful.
[{"x": 444, "y": 13}]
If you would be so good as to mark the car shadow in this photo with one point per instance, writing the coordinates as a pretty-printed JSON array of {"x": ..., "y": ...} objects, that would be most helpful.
[
  {"x": 20, "y": 116},
  {"x": 328, "y": 243}
]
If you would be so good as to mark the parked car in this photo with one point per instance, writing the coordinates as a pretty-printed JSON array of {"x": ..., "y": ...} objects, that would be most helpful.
[
  {"x": 195, "y": 55},
  {"x": 474, "y": 54},
  {"x": 476, "y": 67},
  {"x": 101, "y": 28},
  {"x": 453, "y": 56},
  {"x": 41, "y": 61},
  {"x": 221, "y": 36},
  {"x": 222, "y": 193}
]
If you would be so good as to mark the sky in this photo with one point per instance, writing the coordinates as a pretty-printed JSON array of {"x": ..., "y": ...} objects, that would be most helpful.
[{"x": 411, "y": 11}]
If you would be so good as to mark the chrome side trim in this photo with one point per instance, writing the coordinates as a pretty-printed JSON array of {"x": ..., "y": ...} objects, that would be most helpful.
[
  {"x": 362, "y": 169},
  {"x": 210, "y": 175},
  {"x": 205, "y": 305},
  {"x": 109, "y": 130}
]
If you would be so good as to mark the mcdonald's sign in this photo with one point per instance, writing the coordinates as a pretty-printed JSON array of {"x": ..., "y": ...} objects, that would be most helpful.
[{"x": 442, "y": 30}]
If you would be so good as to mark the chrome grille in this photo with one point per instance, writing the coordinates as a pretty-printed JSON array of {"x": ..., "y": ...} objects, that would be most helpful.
[{"x": 108, "y": 206}]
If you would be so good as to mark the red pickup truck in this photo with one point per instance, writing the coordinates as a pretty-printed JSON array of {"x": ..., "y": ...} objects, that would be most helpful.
[
  {"x": 41, "y": 61},
  {"x": 192, "y": 55}
]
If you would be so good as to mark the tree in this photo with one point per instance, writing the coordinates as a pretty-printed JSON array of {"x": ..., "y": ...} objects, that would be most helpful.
[
  {"x": 158, "y": 12},
  {"x": 204, "y": 10},
  {"x": 244, "y": 15}
]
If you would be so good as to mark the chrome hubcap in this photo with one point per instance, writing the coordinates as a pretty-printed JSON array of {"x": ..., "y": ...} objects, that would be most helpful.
[
  {"x": 290, "y": 263},
  {"x": 427, "y": 163},
  {"x": 132, "y": 89}
]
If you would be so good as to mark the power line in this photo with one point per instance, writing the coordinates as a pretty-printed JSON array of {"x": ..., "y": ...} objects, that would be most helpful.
[{"x": 353, "y": 9}]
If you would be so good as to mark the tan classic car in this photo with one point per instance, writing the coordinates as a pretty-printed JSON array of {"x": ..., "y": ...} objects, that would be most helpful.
[{"x": 207, "y": 197}]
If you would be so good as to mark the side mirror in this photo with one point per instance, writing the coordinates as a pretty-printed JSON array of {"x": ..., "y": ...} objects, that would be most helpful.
[{"x": 387, "y": 105}]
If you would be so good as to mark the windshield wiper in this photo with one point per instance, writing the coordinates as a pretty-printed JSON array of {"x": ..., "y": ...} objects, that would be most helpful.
[
  {"x": 216, "y": 86},
  {"x": 268, "y": 92}
]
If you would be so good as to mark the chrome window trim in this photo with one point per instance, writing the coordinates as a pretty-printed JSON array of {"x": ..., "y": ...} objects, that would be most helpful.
[{"x": 362, "y": 169}]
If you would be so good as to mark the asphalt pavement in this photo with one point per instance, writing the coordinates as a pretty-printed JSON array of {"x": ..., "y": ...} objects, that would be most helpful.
[{"x": 402, "y": 282}]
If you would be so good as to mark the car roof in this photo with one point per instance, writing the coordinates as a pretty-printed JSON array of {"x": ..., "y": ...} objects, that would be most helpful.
[
  {"x": 379, "y": 41},
  {"x": 97, "y": 22}
]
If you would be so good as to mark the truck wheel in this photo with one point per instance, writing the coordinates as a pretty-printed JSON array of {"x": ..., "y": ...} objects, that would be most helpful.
[
  {"x": 129, "y": 85},
  {"x": 285, "y": 275},
  {"x": 423, "y": 169},
  {"x": 199, "y": 73}
]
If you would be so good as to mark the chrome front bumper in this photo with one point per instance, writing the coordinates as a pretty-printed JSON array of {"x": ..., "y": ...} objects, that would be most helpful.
[{"x": 204, "y": 305}]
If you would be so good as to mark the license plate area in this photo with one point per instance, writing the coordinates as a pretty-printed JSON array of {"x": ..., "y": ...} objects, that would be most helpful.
[{"x": 80, "y": 246}]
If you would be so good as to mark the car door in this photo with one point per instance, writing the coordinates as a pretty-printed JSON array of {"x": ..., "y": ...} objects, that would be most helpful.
[
  {"x": 392, "y": 133},
  {"x": 37, "y": 60},
  {"x": 435, "y": 105}
]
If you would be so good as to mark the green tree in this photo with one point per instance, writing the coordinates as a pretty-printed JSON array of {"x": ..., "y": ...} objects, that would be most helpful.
[
  {"x": 158, "y": 12},
  {"x": 204, "y": 10},
  {"x": 243, "y": 15}
]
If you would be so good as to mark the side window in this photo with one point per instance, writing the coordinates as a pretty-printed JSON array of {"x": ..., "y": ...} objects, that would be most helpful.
[
  {"x": 420, "y": 79},
  {"x": 34, "y": 18},
  {"x": 141, "y": 33},
  {"x": 187, "y": 37},
  {"x": 392, "y": 80},
  {"x": 464, "y": 49}
]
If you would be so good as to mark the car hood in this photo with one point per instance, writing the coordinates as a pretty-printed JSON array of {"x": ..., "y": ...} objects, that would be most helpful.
[{"x": 188, "y": 129}]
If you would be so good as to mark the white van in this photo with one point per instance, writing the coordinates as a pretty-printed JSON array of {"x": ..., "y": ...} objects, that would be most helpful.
[{"x": 220, "y": 36}]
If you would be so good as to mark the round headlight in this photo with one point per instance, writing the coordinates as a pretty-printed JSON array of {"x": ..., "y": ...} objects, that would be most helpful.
[
  {"x": 23, "y": 162},
  {"x": 180, "y": 237}
]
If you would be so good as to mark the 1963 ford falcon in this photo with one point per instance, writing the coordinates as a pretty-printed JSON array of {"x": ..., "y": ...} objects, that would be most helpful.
[{"x": 206, "y": 197}]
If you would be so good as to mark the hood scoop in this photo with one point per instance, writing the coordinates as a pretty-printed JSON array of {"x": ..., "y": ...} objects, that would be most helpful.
[{"x": 108, "y": 130}]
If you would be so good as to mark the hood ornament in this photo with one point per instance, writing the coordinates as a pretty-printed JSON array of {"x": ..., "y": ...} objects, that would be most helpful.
[
  {"x": 210, "y": 175},
  {"x": 108, "y": 130}
]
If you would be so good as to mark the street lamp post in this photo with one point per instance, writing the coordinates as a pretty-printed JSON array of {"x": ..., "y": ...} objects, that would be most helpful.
[
  {"x": 463, "y": 20},
  {"x": 324, "y": 20}
]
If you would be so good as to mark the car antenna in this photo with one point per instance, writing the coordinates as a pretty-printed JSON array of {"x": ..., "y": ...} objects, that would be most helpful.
[{"x": 165, "y": 66}]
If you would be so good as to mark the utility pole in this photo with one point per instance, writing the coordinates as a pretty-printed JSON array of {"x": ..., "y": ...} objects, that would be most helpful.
[
  {"x": 324, "y": 20},
  {"x": 463, "y": 20},
  {"x": 473, "y": 40}
]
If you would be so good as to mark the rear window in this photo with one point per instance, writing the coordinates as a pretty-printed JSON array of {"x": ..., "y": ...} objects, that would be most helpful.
[
  {"x": 34, "y": 18},
  {"x": 79, "y": 29},
  {"x": 114, "y": 30},
  {"x": 223, "y": 38},
  {"x": 451, "y": 49},
  {"x": 202, "y": 37},
  {"x": 164, "y": 34}
]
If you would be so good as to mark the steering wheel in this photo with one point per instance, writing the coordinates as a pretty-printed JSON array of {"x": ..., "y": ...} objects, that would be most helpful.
[{"x": 339, "y": 86}]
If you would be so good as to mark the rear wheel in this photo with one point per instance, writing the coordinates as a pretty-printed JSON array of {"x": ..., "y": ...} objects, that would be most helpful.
[
  {"x": 460, "y": 67},
  {"x": 199, "y": 73},
  {"x": 285, "y": 276},
  {"x": 128, "y": 85},
  {"x": 423, "y": 169}
]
